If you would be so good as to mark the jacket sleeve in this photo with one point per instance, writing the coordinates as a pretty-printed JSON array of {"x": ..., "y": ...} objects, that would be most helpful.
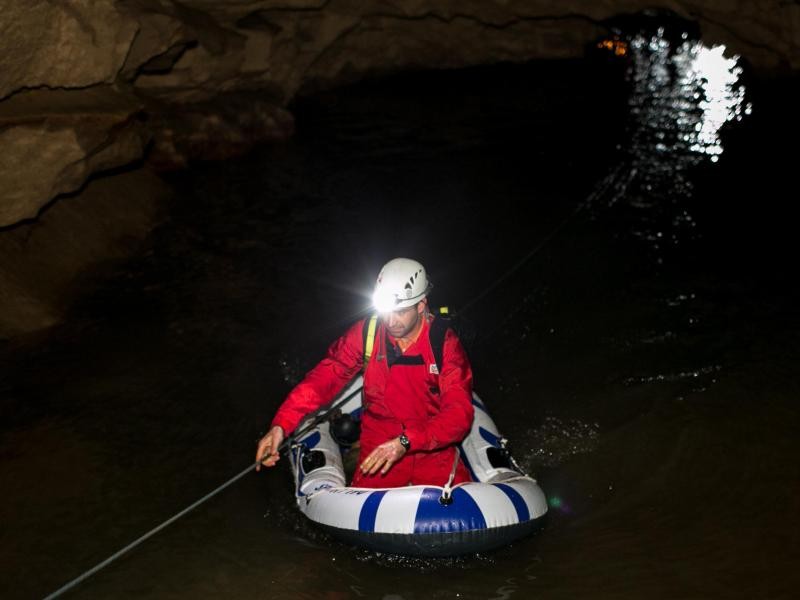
[
  {"x": 454, "y": 420},
  {"x": 320, "y": 385}
]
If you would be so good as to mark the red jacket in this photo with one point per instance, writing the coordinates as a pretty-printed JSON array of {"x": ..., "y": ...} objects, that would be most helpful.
[{"x": 435, "y": 411}]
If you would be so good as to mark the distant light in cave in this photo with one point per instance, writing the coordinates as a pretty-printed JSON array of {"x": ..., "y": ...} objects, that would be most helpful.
[{"x": 615, "y": 45}]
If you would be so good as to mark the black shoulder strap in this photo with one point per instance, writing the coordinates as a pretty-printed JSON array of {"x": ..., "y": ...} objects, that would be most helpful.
[{"x": 439, "y": 329}]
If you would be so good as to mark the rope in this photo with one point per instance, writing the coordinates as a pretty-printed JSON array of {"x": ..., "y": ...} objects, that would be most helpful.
[
  {"x": 446, "y": 490},
  {"x": 514, "y": 463},
  {"x": 600, "y": 189},
  {"x": 147, "y": 535},
  {"x": 322, "y": 414},
  {"x": 298, "y": 458}
]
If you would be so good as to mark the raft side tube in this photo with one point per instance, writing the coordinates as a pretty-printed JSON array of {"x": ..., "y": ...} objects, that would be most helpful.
[
  {"x": 500, "y": 506},
  {"x": 329, "y": 475},
  {"x": 438, "y": 544}
]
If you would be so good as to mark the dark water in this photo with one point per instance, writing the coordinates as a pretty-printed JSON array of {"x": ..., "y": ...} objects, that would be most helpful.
[{"x": 643, "y": 361}]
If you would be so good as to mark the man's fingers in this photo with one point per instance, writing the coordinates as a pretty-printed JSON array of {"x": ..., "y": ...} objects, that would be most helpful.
[
  {"x": 267, "y": 453},
  {"x": 267, "y": 459},
  {"x": 375, "y": 461},
  {"x": 263, "y": 450},
  {"x": 389, "y": 462},
  {"x": 375, "y": 466},
  {"x": 365, "y": 466},
  {"x": 264, "y": 454},
  {"x": 382, "y": 458}
]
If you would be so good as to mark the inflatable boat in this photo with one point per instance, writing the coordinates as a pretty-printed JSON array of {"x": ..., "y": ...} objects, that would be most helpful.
[{"x": 500, "y": 505}]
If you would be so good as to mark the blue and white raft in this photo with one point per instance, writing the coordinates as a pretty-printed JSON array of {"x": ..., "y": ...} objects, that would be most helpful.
[{"x": 500, "y": 505}]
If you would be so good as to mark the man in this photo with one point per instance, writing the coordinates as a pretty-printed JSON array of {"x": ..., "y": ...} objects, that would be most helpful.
[{"x": 415, "y": 412}]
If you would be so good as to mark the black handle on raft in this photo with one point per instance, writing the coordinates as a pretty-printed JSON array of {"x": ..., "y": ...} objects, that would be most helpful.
[{"x": 287, "y": 443}]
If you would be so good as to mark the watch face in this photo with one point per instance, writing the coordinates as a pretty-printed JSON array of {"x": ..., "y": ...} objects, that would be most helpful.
[{"x": 404, "y": 441}]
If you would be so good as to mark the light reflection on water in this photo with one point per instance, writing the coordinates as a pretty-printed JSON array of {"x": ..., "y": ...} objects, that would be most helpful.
[
  {"x": 557, "y": 440},
  {"x": 723, "y": 97},
  {"x": 682, "y": 94}
]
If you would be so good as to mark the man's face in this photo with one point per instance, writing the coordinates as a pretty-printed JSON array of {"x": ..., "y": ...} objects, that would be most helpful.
[{"x": 401, "y": 322}]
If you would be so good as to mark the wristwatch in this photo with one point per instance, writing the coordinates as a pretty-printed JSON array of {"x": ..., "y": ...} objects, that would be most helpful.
[{"x": 404, "y": 441}]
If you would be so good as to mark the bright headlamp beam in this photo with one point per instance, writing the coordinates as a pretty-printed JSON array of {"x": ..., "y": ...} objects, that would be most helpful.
[{"x": 384, "y": 303}]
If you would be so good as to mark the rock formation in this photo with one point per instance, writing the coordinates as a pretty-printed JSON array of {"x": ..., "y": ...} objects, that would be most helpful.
[
  {"x": 75, "y": 74},
  {"x": 92, "y": 85}
]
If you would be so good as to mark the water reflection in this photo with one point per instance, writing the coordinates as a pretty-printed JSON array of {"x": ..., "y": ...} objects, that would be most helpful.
[
  {"x": 722, "y": 97},
  {"x": 557, "y": 440},
  {"x": 682, "y": 94}
]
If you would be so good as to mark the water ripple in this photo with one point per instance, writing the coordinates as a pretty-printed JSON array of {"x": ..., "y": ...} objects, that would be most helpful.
[
  {"x": 670, "y": 377},
  {"x": 556, "y": 441}
]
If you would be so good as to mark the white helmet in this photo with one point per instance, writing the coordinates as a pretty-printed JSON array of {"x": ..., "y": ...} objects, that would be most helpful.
[{"x": 402, "y": 282}]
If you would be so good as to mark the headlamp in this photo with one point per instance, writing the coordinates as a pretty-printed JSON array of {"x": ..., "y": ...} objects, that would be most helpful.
[{"x": 384, "y": 302}]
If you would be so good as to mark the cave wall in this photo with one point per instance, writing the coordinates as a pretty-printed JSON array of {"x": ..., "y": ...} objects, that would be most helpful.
[
  {"x": 87, "y": 86},
  {"x": 43, "y": 264}
]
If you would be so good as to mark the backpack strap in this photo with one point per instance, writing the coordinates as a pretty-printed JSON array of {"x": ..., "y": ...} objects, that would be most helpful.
[
  {"x": 437, "y": 334},
  {"x": 438, "y": 331},
  {"x": 370, "y": 325}
]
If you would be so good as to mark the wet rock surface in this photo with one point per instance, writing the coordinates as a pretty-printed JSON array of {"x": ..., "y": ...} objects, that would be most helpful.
[
  {"x": 195, "y": 53},
  {"x": 91, "y": 86},
  {"x": 48, "y": 264},
  {"x": 55, "y": 140}
]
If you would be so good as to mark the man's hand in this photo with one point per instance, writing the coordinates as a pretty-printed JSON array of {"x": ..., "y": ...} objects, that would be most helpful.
[
  {"x": 383, "y": 457},
  {"x": 267, "y": 453}
]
